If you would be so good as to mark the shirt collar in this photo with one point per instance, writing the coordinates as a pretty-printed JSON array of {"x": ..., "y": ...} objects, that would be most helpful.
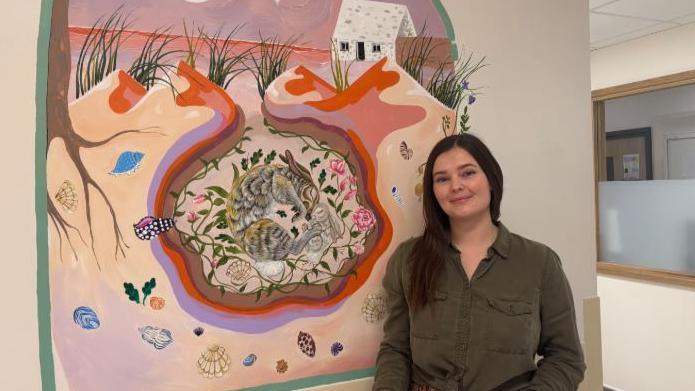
[{"x": 500, "y": 245}]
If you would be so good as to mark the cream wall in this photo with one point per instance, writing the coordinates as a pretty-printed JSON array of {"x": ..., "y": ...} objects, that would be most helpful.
[
  {"x": 534, "y": 113},
  {"x": 19, "y": 365},
  {"x": 646, "y": 327}
]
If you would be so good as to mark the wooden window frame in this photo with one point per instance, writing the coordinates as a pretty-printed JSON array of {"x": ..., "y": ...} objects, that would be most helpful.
[{"x": 598, "y": 97}]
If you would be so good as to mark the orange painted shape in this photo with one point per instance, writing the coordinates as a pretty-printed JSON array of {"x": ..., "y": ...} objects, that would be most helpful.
[
  {"x": 203, "y": 92},
  {"x": 375, "y": 77},
  {"x": 307, "y": 83},
  {"x": 126, "y": 94}
]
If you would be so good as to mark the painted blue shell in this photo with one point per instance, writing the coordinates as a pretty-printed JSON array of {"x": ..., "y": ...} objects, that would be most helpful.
[
  {"x": 159, "y": 338},
  {"x": 198, "y": 331},
  {"x": 127, "y": 163},
  {"x": 86, "y": 318},
  {"x": 249, "y": 360},
  {"x": 336, "y": 348}
]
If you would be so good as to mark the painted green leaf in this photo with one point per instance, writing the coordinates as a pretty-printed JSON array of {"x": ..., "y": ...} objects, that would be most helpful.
[
  {"x": 133, "y": 294},
  {"x": 294, "y": 231},
  {"x": 220, "y": 191},
  {"x": 324, "y": 265},
  {"x": 210, "y": 275},
  {"x": 328, "y": 288},
  {"x": 345, "y": 213},
  {"x": 218, "y": 202},
  {"x": 335, "y": 253},
  {"x": 179, "y": 213}
]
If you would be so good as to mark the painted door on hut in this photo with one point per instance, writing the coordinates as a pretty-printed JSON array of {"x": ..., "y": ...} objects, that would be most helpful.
[{"x": 223, "y": 194}]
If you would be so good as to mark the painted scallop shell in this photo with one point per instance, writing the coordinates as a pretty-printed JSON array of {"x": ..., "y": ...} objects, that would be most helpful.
[
  {"x": 86, "y": 318},
  {"x": 213, "y": 362},
  {"x": 281, "y": 366},
  {"x": 67, "y": 196},
  {"x": 128, "y": 162},
  {"x": 238, "y": 271},
  {"x": 374, "y": 307},
  {"x": 157, "y": 337},
  {"x": 306, "y": 344},
  {"x": 149, "y": 227},
  {"x": 157, "y": 303}
]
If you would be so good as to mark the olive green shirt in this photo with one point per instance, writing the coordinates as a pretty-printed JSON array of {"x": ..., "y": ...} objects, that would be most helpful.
[{"x": 484, "y": 333}]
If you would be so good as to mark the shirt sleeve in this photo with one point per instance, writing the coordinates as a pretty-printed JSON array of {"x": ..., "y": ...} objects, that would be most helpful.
[
  {"x": 393, "y": 360},
  {"x": 562, "y": 364}
]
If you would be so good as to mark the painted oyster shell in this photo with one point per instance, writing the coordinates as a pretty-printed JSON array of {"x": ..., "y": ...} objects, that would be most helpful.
[
  {"x": 86, "y": 318},
  {"x": 158, "y": 337},
  {"x": 213, "y": 362}
]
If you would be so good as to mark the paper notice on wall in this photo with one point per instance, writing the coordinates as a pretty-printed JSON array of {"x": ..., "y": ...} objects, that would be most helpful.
[{"x": 631, "y": 166}]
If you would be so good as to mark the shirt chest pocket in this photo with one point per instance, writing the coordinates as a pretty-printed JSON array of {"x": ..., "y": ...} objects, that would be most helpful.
[
  {"x": 431, "y": 321},
  {"x": 510, "y": 326}
]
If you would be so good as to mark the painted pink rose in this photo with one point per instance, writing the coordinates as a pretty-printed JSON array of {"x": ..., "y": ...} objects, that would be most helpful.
[
  {"x": 347, "y": 182},
  {"x": 364, "y": 219},
  {"x": 199, "y": 199},
  {"x": 350, "y": 194},
  {"x": 191, "y": 216},
  {"x": 337, "y": 166},
  {"x": 358, "y": 249}
]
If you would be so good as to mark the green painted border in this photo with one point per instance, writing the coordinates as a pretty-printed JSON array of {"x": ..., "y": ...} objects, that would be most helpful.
[
  {"x": 449, "y": 28},
  {"x": 42, "y": 278},
  {"x": 42, "y": 281},
  {"x": 315, "y": 381}
]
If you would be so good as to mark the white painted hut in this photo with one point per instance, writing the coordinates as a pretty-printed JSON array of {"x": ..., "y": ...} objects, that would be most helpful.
[{"x": 367, "y": 30}]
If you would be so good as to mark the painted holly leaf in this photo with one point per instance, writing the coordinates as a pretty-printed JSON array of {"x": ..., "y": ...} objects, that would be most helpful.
[
  {"x": 322, "y": 177},
  {"x": 314, "y": 163},
  {"x": 132, "y": 293},
  {"x": 281, "y": 213},
  {"x": 294, "y": 231},
  {"x": 270, "y": 157},
  {"x": 330, "y": 190}
]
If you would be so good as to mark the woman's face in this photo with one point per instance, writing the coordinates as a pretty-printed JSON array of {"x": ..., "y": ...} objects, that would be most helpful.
[{"x": 460, "y": 185}]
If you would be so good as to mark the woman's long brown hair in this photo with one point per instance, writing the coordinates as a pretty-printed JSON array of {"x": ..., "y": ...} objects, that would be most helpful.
[{"x": 430, "y": 251}]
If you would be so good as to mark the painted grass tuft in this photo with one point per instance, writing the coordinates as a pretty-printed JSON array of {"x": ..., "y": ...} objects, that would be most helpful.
[{"x": 98, "y": 55}]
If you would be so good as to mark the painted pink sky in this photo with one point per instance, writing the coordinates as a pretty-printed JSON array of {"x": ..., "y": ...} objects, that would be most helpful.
[{"x": 313, "y": 19}]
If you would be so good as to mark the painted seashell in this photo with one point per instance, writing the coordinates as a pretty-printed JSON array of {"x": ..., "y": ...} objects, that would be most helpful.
[
  {"x": 306, "y": 344},
  {"x": 281, "y": 366},
  {"x": 396, "y": 195},
  {"x": 198, "y": 331},
  {"x": 249, "y": 360},
  {"x": 148, "y": 227},
  {"x": 238, "y": 271},
  {"x": 127, "y": 163},
  {"x": 67, "y": 196},
  {"x": 213, "y": 362},
  {"x": 159, "y": 338},
  {"x": 157, "y": 303},
  {"x": 86, "y": 318},
  {"x": 336, "y": 348},
  {"x": 406, "y": 152},
  {"x": 374, "y": 307}
]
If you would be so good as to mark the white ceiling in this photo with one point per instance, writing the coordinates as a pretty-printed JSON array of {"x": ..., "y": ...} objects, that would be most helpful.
[{"x": 616, "y": 21}]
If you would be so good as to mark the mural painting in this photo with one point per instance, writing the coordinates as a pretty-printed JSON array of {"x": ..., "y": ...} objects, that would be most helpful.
[{"x": 227, "y": 179}]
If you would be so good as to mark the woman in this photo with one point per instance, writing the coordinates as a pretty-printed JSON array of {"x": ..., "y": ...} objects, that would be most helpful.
[{"x": 471, "y": 304}]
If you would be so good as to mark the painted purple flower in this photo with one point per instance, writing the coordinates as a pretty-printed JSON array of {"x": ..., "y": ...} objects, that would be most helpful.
[
  {"x": 471, "y": 99},
  {"x": 464, "y": 85}
]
